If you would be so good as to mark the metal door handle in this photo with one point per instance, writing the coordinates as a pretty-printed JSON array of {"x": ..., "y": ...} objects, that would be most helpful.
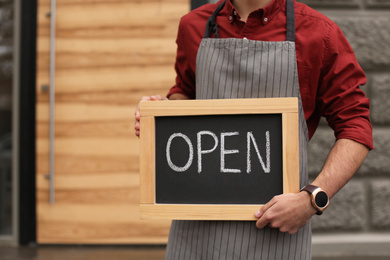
[{"x": 52, "y": 100}]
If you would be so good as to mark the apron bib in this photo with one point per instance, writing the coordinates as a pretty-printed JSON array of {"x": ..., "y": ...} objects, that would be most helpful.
[{"x": 241, "y": 68}]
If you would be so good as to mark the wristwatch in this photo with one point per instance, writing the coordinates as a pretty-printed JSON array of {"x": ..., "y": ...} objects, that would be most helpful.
[{"x": 319, "y": 198}]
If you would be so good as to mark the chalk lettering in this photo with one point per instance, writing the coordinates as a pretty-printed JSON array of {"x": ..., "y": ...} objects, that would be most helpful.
[
  {"x": 224, "y": 152},
  {"x": 266, "y": 168},
  {"x": 250, "y": 142},
  {"x": 200, "y": 151},
  {"x": 168, "y": 152}
]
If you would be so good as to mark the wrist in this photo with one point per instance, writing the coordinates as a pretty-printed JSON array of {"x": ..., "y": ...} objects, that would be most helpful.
[{"x": 307, "y": 200}]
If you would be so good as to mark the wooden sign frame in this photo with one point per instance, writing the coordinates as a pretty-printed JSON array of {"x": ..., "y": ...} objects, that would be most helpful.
[{"x": 149, "y": 209}]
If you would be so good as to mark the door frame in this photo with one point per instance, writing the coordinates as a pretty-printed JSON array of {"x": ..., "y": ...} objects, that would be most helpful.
[{"x": 26, "y": 119}]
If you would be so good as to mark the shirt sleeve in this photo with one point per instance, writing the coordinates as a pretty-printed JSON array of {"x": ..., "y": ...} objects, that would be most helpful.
[
  {"x": 185, "y": 73},
  {"x": 340, "y": 99}
]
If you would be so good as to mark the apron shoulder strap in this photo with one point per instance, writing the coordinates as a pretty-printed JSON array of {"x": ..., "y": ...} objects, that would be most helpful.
[
  {"x": 290, "y": 34},
  {"x": 211, "y": 25}
]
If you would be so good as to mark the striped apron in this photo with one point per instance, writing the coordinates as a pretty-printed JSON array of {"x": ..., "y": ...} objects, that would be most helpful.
[{"x": 241, "y": 68}]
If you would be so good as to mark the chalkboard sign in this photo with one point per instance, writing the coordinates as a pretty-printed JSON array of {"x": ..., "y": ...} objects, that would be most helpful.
[{"x": 216, "y": 159}]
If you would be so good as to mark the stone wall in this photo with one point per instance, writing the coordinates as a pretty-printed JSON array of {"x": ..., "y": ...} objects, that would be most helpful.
[
  {"x": 6, "y": 42},
  {"x": 363, "y": 205},
  {"x": 6, "y": 70}
]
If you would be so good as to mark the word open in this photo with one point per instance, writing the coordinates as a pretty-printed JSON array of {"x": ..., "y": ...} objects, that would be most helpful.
[{"x": 220, "y": 141}]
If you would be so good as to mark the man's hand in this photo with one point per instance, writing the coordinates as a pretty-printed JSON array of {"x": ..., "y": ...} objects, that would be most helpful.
[
  {"x": 137, "y": 114},
  {"x": 175, "y": 96},
  {"x": 287, "y": 212}
]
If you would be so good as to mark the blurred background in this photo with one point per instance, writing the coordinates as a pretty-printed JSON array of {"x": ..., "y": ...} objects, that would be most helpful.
[{"x": 70, "y": 78}]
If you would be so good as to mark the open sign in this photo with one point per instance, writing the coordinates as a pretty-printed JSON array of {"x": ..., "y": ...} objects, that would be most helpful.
[{"x": 216, "y": 159}]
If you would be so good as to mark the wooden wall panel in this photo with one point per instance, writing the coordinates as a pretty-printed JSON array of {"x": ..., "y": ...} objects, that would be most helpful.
[{"x": 108, "y": 54}]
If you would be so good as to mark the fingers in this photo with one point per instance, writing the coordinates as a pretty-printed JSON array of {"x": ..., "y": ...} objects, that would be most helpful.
[
  {"x": 263, "y": 214},
  {"x": 137, "y": 117},
  {"x": 137, "y": 128},
  {"x": 137, "y": 114},
  {"x": 157, "y": 97}
]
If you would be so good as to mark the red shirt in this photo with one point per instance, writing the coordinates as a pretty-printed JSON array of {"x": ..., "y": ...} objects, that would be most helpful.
[{"x": 329, "y": 74}]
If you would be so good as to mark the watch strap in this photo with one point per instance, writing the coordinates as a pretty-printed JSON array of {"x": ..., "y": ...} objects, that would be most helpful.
[{"x": 310, "y": 188}]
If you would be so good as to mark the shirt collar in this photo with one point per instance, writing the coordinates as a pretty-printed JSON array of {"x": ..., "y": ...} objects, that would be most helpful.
[{"x": 268, "y": 12}]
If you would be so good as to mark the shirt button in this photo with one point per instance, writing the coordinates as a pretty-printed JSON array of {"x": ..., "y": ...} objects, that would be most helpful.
[
  {"x": 234, "y": 12},
  {"x": 230, "y": 18},
  {"x": 265, "y": 19}
]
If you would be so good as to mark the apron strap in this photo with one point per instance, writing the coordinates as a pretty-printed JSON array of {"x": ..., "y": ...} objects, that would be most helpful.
[
  {"x": 290, "y": 34},
  {"x": 211, "y": 25}
]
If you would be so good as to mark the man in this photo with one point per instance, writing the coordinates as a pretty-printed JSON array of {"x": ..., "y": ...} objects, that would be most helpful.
[{"x": 272, "y": 48}]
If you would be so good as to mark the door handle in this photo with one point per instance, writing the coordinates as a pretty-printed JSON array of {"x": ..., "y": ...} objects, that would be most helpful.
[{"x": 53, "y": 5}]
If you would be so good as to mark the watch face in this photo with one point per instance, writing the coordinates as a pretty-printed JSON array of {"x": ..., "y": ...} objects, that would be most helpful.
[{"x": 321, "y": 199}]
